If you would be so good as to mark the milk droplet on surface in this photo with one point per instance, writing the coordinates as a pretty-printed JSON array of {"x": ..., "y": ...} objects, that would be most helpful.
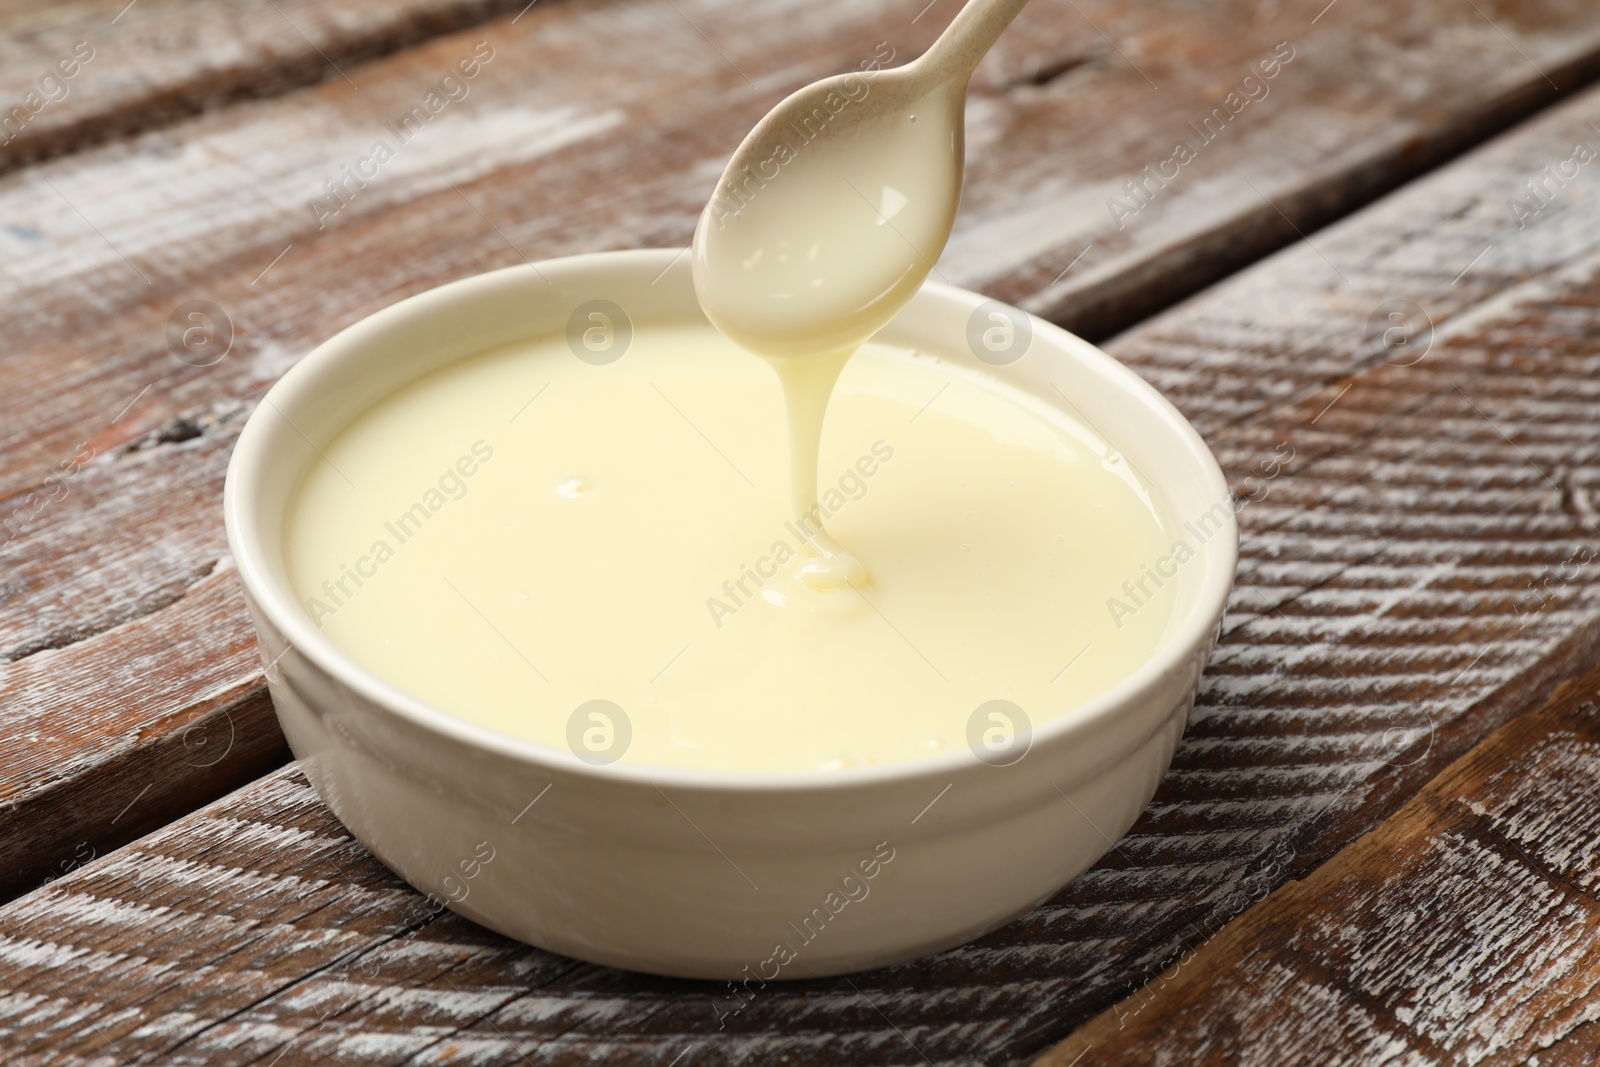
[{"x": 574, "y": 488}]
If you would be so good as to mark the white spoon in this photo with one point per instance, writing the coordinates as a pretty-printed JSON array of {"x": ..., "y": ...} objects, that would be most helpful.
[
  {"x": 833, "y": 210},
  {"x": 828, "y": 219}
]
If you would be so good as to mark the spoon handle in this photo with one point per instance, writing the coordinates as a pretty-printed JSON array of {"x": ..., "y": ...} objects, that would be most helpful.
[{"x": 968, "y": 39}]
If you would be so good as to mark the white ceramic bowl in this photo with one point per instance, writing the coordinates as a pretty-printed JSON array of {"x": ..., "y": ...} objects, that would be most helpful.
[{"x": 695, "y": 873}]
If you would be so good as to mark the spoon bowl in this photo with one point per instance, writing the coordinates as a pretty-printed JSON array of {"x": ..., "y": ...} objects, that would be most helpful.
[
  {"x": 831, "y": 214},
  {"x": 833, "y": 210}
]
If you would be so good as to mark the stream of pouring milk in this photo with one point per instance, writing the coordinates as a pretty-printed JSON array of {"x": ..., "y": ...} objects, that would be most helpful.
[
  {"x": 827, "y": 221},
  {"x": 801, "y": 269}
]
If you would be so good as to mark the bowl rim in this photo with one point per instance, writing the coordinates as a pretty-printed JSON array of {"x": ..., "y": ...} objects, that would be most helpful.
[{"x": 242, "y": 521}]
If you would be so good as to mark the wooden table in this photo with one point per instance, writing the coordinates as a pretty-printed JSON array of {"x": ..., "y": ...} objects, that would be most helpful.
[{"x": 1377, "y": 842}]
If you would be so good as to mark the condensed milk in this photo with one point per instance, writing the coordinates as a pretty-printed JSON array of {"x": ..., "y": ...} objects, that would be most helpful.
[{"x": 625, "y": 538}]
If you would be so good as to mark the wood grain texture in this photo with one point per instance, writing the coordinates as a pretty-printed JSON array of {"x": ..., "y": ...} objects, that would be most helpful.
[
  {"x": 544, "y": 157},
  {"x": 1462, "y": 931},
  {"x": 127, "y": 67},
  {"x": 1411, "y": 578},
  {"x": 142, "y": 693}
]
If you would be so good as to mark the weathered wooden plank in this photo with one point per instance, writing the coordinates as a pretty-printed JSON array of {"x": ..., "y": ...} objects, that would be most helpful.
[
  {"x": 1412, "y": 577},
  {"x": 92, "y": 788},
  {"x": 79, "y": 72},
  {"x": 135, "y": 691},
  {"x": 543, "y": 157},
  {"x": 1461, "y": 930}
]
